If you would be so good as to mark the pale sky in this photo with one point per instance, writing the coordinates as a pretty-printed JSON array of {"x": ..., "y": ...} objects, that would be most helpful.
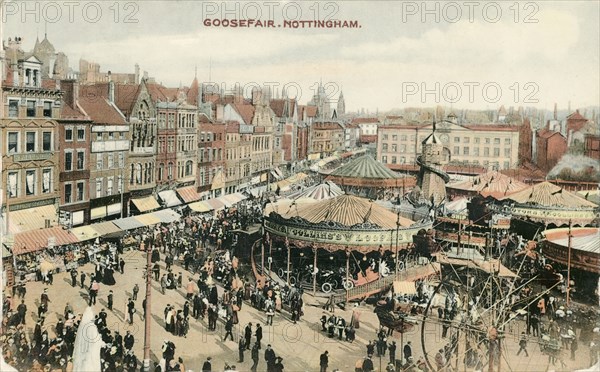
[{"x": 546, "y": 51}]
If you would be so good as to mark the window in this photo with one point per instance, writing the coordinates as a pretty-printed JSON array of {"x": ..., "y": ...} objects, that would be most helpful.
[
  {"x": 393, "y": 160},
  {"x": 111, "y": 135},
  {"x": 120, "y": 184},
  {"x": 496, "y": 141},
  {"x": 80, "y": 188},
  {"x": 68, "y": 134},
  {"x": 47, "y": 141},
  {"x": 68, "y": 161},
  {"x": 109, "y": 186},
  {"x": 465, "y": 150},
  {"x": 189, "y": 166},
  {"x": 30, "y": 109},
  {"x": 121, "y": 160},
  {"x": 13, "y": 108},
  {"x": 384, "y": 159},
  {"x": 487, "y": 141},
  {"x": 394, "y": 137},
  {"x": 403, "y": 137},
  {"x": 466, "y": 140},
  {"x": 80, "y": 160},
  {"x": 46, "y": 180},
  {"x": 99, "y": 162},
  {"x": 384, "y": 147},
  {"x": 456, "y": 150},
  {"x": 402, "y": 148},
  {"x": 110, "y": 161},
  {"x": 402, "y": 160},
  {"x": 30, "y": 182},
  {"x": 477, "y": 140},
  {"x": 13, "y": 184},
  {"x": 99, "y": 136},
  {"x": 47, "y": 109},
  {"x": 385, "y": 137},
  {"x": 486, "y": 151},
  {"x": 30, "y": 141},
  {"x": 507, "y": 151},
  {"x": 506, "y": 165},
  {"x": 68, "y": 193},
  {"x": 507, "y": 141},
  {"x": 98, "y": 187},
  {"x": 13, "y": 142},
  {"x": 496, "y": 151},
  {"x": 476, "y": 151},
  {"x": 394, "y": 148},
  {"x": 456, "y": 139},
  {"x": 80, "y": 134}
]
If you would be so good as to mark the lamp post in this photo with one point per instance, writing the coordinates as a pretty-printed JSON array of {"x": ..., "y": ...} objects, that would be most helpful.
[{"x": 148, "y": 309}]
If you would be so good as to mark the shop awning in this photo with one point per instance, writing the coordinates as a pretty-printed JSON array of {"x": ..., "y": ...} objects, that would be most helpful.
[
  {"x": 146, "y": 204},
  {"x": 225, "y": 200},
  {"x": 169, "y": 197},
  {"x": 99, "y": 212},
  {"x": 404, "y": 287},
  {"x": 274, "y": 174},
  {"x": 105, "y": 228},
  {"x": 36, "y": 240},
  {"x": 84, "y": 233},
  {"x": 232, "y": 199},
  {"x": 32, "y": 219},
  {"x": 167, "y": 215},
  {"x": 189, "y": 194},
  {"x": 258, "y": 191},
  {"x": 215, "y": 204},
  {"x": 200, "y": 207},
  {"x": 147, "y": 219},
  {"x": 128, "y": 223}
]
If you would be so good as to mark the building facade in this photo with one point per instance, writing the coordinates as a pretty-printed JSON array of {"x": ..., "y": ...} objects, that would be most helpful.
[
  {"x": 488, "y": 145},
  {"x": 326, "y": 138},
  {"x": 29, "y": 133}
]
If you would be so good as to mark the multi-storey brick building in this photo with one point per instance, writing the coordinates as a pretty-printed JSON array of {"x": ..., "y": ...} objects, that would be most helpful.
[
  {"x": 29, "y": 132},
  {"x": 325, "y": 138},
  {"x": 74, "y": 134},
  {"x": 489, "y": 145},
  {"x": 211, "y": 149},
  {"x": 592, "y": 146},
  {"x": 109, "y": 157},
  {"x": 550, "y": 147}
]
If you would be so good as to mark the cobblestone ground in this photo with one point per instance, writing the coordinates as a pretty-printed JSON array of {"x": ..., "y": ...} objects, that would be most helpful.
[{"x": 298, "y": 344}]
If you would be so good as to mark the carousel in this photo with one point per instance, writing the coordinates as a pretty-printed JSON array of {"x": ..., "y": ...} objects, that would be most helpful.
[
  {"x": 365, "y": 176},
  {"x": 546, "y": 205},
  {"x": 493, "y": 184},
  {"x": 576, "y": 253},
  {"x": 322, "y": 237}
]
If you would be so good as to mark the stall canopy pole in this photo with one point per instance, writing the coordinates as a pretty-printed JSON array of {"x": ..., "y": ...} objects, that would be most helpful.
[{"x": 315, "y": 271}]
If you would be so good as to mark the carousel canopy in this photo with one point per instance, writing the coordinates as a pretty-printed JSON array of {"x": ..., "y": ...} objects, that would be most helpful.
[
  {"x": 347, "y": 210},
  {"x": 494, "y": 184},
  {"x": 365, "y": 167},
  {"x": 583, "y": 239},
  {"x": 323, "y": 191},
  {"x": 548, "y": 195}
]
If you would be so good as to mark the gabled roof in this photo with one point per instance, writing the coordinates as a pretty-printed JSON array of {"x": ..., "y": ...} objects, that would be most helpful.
[
  {"x": 549, "y": 195},
  {"x": 347, "y": 210},
  {"x": 245, "y": 111},
  {"x": 576, "y": 116},
  {"x": 545, "y": 133},
  {"x": 68, "y": 112},
  {"x": 101, "y": 111},
  {"x": 193, "y": 93},
  {"x": 126, "y": 96},
  {"x": 311, "y": 111},
  {"x": 364, "y": 167}
]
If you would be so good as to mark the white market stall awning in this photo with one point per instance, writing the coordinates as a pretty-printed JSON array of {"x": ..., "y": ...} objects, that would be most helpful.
[
  {"x": 169, "y": 197},
  {"x": 128, "y": 223},
  {"x": 146, "y": 204},
  {"x": 167, "y": 215}
]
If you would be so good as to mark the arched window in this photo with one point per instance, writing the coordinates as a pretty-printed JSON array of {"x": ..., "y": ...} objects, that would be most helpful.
[
  {"x": 161, "y": 169},
  {"x": 138, "y": 173}
]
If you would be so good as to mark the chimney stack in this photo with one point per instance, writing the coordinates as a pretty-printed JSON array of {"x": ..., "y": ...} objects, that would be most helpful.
[
  {"x": 111, "y": 88},
  {"x": 555, "y": 112}
]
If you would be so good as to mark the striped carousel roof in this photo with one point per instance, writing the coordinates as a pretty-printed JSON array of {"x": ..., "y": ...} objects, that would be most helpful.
[
  {"x": 582, "y": 239},
  {"x": 549, "y": 195},
  {"x": 493, "y": 184},
  {"x": 364, "y": 167},
  {"x": 347, "y": 210},
  {"x": 323, "y": 191}
]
